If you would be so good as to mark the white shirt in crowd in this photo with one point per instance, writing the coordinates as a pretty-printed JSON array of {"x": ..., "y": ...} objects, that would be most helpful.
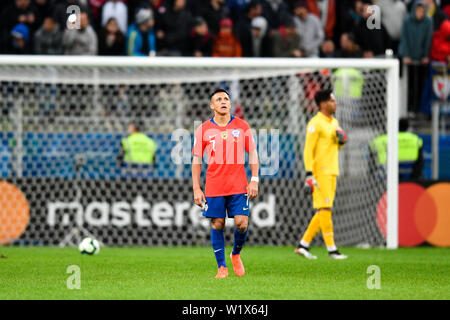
[{"x": 118, "y": 10}]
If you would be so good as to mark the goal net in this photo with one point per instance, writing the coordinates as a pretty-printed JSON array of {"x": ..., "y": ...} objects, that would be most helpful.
[{"x": 63, "y": 118}]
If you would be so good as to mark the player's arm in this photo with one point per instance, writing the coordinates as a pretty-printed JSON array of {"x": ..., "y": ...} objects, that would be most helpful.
[
  {"x": 312, "y": 135},
  {"x": 250, "y": 147},
  {"x": 197, "y": 152},
  {"x": 199, "y": 196},
  {"x": 252, "y": 189}
]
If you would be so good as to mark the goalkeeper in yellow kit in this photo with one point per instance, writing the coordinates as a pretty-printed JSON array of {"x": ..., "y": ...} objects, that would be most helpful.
[{"x": 324, "y": 139}]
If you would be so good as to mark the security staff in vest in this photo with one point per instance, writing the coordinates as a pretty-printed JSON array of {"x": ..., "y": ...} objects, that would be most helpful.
[
  {"x": 137, "y": 148},
  {"x": 410, "y": 152}
]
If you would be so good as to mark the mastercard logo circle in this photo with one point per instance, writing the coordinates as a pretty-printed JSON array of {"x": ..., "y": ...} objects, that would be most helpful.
[
  {"x": 14, "y": 212},
  {"x": 423, "y": 214}
]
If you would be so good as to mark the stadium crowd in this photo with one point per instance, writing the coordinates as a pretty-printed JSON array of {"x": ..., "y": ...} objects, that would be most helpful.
[
  {"x": 227, "y": 28},
  {"x": 417, "y": 31}
]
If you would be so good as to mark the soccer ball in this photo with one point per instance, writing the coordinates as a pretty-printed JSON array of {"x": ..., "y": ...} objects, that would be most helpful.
[{"x": 89, "y": 246}]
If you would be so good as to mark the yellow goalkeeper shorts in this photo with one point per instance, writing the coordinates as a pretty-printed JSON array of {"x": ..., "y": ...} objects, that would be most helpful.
[{"x": 323, "y": 195}]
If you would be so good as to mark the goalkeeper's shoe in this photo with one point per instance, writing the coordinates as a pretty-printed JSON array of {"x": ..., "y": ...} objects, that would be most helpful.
[
  {"x": 238, "y": 266},
  {"x": 222, "y": 273},
  {"x": 336, "y": 255},
  {"x": 303, "y": 251}
]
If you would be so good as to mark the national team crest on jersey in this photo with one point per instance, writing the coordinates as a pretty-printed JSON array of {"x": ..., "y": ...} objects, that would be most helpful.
[{"x": 236, "y": 133}]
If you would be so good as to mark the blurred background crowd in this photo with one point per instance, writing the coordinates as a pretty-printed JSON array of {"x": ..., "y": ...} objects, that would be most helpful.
[
  {"x": 418, "y": 32},
  {"x": 228, "y": 28}
]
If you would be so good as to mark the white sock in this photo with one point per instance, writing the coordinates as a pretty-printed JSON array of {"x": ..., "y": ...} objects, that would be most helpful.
[
  {"x": 332, "y": 248},
  {"x": 304, "y": 243}
]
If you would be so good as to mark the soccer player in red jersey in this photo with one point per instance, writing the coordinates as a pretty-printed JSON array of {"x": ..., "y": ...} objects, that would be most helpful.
[{"x": 225, "y": 139}]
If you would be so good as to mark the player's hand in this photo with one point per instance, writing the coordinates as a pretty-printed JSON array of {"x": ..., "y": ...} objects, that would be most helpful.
[
  {"x": 199, "y": 197},
  {"x": 310, "y": 182},
  {"x": 252, "y": 190},
  {"x": 342, "y": 136}
]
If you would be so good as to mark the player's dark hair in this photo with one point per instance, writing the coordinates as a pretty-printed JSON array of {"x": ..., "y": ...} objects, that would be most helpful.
[
  {"x": 217, "y": 91},
  {"x": 322, "y": 96}
]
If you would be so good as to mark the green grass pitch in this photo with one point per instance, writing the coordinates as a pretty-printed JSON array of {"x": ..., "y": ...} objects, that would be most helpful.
[{"x": 187, "y": 273}]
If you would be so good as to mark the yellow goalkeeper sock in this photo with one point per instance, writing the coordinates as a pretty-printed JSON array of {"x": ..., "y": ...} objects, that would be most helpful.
[
  {"x": 312, "y": 230},
  {"x": 326, "y": 226}
]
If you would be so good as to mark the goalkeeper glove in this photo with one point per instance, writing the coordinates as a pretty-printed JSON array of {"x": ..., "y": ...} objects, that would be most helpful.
[
  {"x": 310, "y": 182},
  {"x": 342, "y": 136}
]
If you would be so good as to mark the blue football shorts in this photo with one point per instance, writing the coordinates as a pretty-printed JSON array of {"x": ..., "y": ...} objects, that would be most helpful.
[{"x": 233, "y": 205}]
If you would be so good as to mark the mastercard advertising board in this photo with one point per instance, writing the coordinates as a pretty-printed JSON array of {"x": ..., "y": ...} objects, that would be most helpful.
[{"x": 424, "y": 214}]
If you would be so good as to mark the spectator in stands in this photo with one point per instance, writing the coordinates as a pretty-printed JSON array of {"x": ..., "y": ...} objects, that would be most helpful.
[
  {"x": 137, "y": 148},
  {"x": 373, "y": 42},
  {"x": 325, "y": 10},
  {"x": 435, "y": 13},
  {"x": 225, "y": 43},
  {"x": 111, "y": 40},
  {"x": 414, "y": 49},
  {"x": 60, "y": 13},
  {"x": 44, "y": 8},
  {"x": 416, "y": 35},
  {"x": 158, "y": 8},
  {"x": 237, "y": 8},
  {"x": 446, "y": 8},
  {"x": 20, "y": 40},
  {"x": 350, "y": 16},
  {"x": 141, "y": 39},
  {"x": 118, "y": 10},
  {"x": 275, "y": 11},
  {"x": 21, "y": 11},
  {"x": 95, "y": 9},
  {"x": 244, "y": 28},
  {"x": 18, "y": 12},
  {"x": 213, "y": 12},
  {"x": 286, "y": 41},
  {"x": 201, "y": 40},
  {"x": 48, "y": 39},
  {"x": 176, "y": 25},
  {"x": 349, "y": 47},
  {"x": 327, "y": 49},
  {"x": 260, "y": 39},
  {"x": 393, "y": 12},
  {"x": 440, "y": 47},
  {"x": 309, "y": 28},
  {"x": 81, "y": 41}
]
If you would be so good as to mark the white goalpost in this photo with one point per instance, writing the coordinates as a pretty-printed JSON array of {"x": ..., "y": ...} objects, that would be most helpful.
[{"x": 56, "y": 109}]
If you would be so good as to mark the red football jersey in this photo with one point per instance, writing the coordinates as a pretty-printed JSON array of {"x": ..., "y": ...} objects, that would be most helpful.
[{"x": 225, "y": 150}]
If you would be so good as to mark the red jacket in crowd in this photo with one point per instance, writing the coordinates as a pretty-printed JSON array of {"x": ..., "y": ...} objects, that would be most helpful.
[{"x": 440, "y": 47}]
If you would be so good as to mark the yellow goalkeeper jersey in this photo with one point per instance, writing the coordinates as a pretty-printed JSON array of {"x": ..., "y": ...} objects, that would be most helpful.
[{"x": 320, "y": 154}]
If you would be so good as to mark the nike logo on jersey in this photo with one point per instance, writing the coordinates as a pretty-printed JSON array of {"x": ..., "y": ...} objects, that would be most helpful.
[{"x": 217, "y": 250}]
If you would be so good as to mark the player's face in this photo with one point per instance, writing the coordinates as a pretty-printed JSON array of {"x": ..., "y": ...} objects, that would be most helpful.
[
  {"x": 330, "y": 105},
  {"x": 221, "y": 103}
]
